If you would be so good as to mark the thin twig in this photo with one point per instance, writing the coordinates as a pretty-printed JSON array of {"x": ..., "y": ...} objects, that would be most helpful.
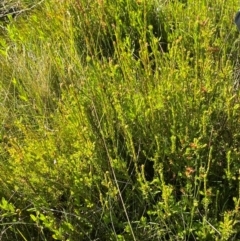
[
  {"x": 113, "y": 173},
  {"x": 18, "y": 12}
]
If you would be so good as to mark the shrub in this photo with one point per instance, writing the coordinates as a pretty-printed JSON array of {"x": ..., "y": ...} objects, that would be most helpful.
[{"x": 120, "y": 122}]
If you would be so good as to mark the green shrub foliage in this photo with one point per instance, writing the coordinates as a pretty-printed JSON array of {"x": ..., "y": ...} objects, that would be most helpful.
[{"x": 119, "y": 121}]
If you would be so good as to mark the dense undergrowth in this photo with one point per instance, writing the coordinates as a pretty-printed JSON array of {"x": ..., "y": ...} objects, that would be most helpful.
[{"x": 120, "y": 121}]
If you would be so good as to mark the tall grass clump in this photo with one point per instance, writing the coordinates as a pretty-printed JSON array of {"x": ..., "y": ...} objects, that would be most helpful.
[{"x": 120, "y": 121}]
